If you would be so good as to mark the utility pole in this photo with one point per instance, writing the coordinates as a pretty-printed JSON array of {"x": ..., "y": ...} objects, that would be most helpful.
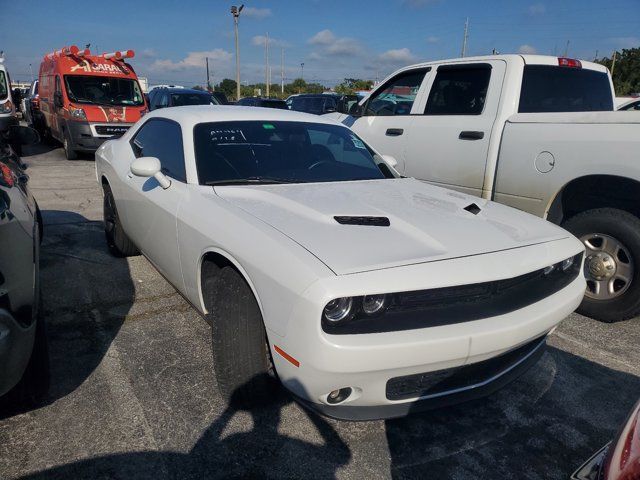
[
  {"x": 465, "y": 37},
  {"x": 31, "y": 72},
  {"x": 282, "y": 72},
  {"x": 208, "y": 78},
  {"x": 302, "y": 71},
  {"x": 613, "y": 62},
  {"x": 235, "y": 11},
  {"x": 596, "y": 57},
  {"x": 566, "y": 49},
  {"x": 266, "y": 63}
]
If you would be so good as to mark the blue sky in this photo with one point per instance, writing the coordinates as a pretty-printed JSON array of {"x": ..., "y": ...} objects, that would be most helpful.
[{"x": 334, "y": 38}]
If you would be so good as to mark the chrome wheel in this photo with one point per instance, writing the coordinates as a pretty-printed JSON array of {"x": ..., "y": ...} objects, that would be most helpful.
[{"x": 608, "y": 267}]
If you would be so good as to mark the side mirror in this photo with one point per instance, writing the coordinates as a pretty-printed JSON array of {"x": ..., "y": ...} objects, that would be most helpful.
[
  {"x": 150, "y": 167},
  {"x": 390, "y": 160},
  {"x": 356, "y": 110},
  {"x": 21, "y": 135}
]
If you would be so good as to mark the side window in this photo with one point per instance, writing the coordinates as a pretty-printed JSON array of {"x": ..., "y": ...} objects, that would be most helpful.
[
  {"x": 163, "y": 99},
  {"x": 58, "y": 88},
  {"x": 162, "y": 139},
  {"x": 396, "y": 97},
  {"x": 459, "y": 90}
]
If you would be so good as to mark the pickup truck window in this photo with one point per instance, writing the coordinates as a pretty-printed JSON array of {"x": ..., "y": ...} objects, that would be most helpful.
[
  {"x": 459, "y": 90},
  {"x": 562, "y": 89},
  {"x": 396, "y": 97}
]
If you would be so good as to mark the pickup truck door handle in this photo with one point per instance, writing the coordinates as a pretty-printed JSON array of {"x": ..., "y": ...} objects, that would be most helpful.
[
  {"x": 471, "y": 135},
  {"x": 394, "y": 132}
]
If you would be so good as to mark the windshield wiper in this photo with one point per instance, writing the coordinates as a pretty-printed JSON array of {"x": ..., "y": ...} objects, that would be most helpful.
[{"x": 251, "y": 181}]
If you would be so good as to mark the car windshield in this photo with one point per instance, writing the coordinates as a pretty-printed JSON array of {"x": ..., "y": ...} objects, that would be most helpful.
[
  {"x": 103, "y": 90},
  {"x": 4, "y": 89},
  {"x": 246, "y": 152},
  {"x": 182, "y": 99}
]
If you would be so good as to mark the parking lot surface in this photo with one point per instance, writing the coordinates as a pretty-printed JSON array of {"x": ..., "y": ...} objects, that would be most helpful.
[{"x": 133, "y": 394}]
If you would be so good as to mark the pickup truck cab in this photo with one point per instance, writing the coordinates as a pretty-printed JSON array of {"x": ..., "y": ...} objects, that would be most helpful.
[{"x": 534, "y": 132}]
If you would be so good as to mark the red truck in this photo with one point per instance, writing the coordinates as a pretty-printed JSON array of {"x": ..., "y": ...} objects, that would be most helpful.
[{"x": 86, "y": 99}]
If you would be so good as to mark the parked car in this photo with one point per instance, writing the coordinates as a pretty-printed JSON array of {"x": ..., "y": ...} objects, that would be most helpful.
[
  {"x": 289, "y": 100},
  {"x": 179, "y": 97},
  {"x": 619, "y": 459},
  {"x": 8, "y": 115},
  {"x": 316, "y": 104},
  {"x": 632, "y": 104},
  {"x": 23, "y": 347},
  {"x": 262, "y": 102},
  {"x": 371, "y": 294},
  {"x": 86, "y": 99},
  {"x": 533, "y": 132},
  {"x": 31, "y": 108}
]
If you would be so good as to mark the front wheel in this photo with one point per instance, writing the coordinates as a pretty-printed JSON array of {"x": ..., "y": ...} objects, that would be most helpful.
[
  {"x": 240, "y": 351},
  {"x": 612, "y": 242},
  {"x": 117, "y": 240},
  {"x": 69, "y": 152}
]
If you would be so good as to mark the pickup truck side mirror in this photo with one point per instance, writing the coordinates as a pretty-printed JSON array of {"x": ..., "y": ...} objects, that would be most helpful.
[
  {"x": 150, "y": 167},
  {"x": 356, "y": 110}
]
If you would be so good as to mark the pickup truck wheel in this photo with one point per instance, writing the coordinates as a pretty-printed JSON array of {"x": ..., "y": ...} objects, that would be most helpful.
[
  {"x": 240, "y": 352},
  {"x": 119, "y": 244},
  {"x": 68, "y": 151},
  {"x": 612, "y": 242}
]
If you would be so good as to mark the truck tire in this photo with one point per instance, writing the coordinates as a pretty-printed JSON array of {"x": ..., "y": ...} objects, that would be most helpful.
[
  {"x": 612, "y": 241},
  {"x": 117, "y": 240},
  {"x": 70, "y": 153},
  {"x": 238, "y": 340}
]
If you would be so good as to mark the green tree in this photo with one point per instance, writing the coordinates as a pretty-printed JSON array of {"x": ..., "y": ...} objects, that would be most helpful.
[
  {"x": 198, "y": 87},
  {"x": 351, "y": 85},
  {"x": 626, "y": 73},
  {"x": 228, "y": 87}
]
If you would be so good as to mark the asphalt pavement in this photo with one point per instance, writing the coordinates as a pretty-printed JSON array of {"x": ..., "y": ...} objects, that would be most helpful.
[{"x": 133, "y": 394}]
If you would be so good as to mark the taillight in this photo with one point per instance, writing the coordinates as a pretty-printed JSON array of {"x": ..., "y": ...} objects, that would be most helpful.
[
  {"x": 569, "y": 62},
  {"x": 35, "y": 103},
  {"x": 623, "y": 458}
]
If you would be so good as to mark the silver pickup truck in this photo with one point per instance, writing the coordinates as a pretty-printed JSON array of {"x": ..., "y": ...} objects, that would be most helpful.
[{"x": 534, "y": 132}]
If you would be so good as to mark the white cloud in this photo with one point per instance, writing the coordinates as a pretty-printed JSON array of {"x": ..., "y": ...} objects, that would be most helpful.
[
  {"x": 194, "y": 60},
  {"x": 258, "y": 13},
  {"x": 432, "y": 39},
  {"x": 527, "y": 50},
  {"x": 259, "y": 40},
  {"x": 397, "y": 56},
  {"x": 537, "y": 9},
  {"x": 330, "y": 45},
  {"x": 148, "y": 53}
]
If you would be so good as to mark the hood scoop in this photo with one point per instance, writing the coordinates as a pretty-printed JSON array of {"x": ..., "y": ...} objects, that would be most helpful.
[
  {"x": 472, "y": 208},
  {"x": 366, "y": 221}
]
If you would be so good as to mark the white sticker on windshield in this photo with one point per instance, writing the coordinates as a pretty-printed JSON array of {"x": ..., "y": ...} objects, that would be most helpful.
[{"x": 357, "y": 142}]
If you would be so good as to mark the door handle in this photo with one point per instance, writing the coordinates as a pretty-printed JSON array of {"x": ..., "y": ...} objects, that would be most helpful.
[
  {"x": 471, "y": 135},
  {"x": 394, "y": 132}
]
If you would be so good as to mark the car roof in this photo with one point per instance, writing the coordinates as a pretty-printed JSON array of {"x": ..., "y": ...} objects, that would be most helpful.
[
  {"x": 183, "y": 90},
  {"x": 194, "y": 114}
]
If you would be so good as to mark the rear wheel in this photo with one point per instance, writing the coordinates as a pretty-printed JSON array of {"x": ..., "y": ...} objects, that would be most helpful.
[
  {"x": 117, "y": 240},
  {"x": 612, "y": 242},
  {"x": 240, "y": 352}
]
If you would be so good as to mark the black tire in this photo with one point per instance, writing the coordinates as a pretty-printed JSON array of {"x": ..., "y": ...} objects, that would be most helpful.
[
  {"x": 69, "y": 152},
  {"x": 117, "y": 240},
  {"x": 238, "y": 339},
  {"x": 625, "y": 228}
]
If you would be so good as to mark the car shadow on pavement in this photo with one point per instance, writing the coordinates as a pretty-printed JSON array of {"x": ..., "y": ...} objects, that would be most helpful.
[
  {"x": 86, "y": 294},
  {"x": 260, "y": 453},
  {"x": 541, "y": 426}
]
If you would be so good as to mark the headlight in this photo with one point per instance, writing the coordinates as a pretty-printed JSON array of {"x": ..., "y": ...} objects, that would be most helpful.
[
  {"x": 6, "y": 107},
  {"x": 372, "y": 304},
  {"x": 77, "y": 113},
  {"x": 338, "y": 309},
  {"x": 566, "y": 264}
]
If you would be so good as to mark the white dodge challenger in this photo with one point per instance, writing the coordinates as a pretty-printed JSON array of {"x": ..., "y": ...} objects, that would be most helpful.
[{"x": 367, "y": 294}]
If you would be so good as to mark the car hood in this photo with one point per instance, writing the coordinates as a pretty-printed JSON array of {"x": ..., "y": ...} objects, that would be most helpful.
[{"x": 426, "y": 223}]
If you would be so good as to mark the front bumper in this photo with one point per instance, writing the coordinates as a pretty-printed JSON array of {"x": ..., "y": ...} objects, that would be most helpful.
[
  {"x": 7, "y": 121},
  {"x": 84, "y": 137},
  {"x": 367, "y": 363},
  {"x": 16, "y": 345}
]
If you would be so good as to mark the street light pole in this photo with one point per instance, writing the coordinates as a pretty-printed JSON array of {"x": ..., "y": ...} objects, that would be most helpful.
[
  {"x": 235, "y": 11},
  {"x": 302, "y": 71}
]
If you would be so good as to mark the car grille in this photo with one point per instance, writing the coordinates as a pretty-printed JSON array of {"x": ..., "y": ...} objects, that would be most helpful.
[
  {"x": 463, "y": 303},
  {"x": 454, "y": 380},
  {"x": 113, "y": 130}
]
